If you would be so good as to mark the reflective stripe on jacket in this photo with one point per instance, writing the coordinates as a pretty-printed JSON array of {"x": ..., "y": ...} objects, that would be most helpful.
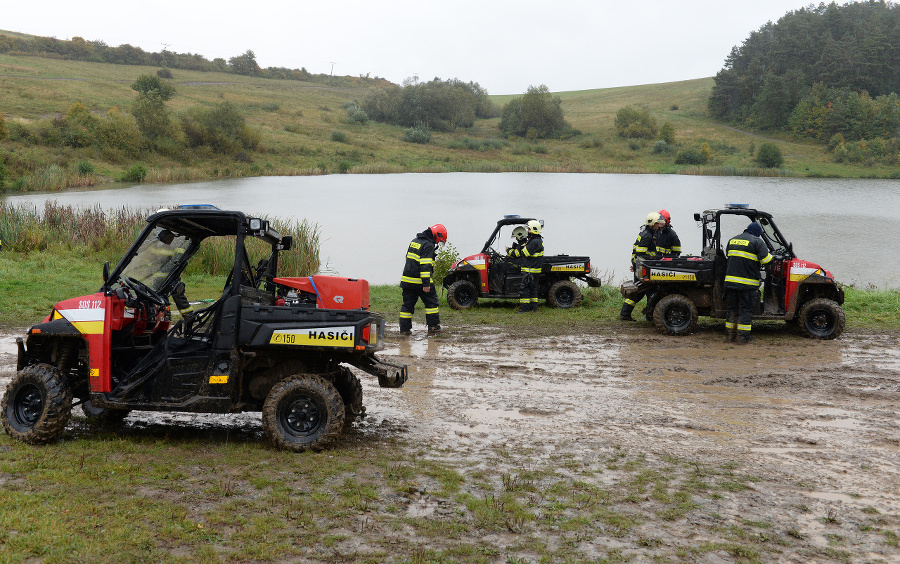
[
  {"x": 644, "y": 246},
  {"x": 419, "y": 262},
  {"x": 746, "y": 253},
  {"x": 667, "y": 242},
  {"x": 532, "y": 254}
]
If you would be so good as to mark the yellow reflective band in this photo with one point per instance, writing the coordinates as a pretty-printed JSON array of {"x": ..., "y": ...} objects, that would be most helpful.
[
  {"x": 534, "y": 300},
  {"x": 744, "y": 327},
  {"x": 743, "y": 254},
  {"x": 412, "y": 256},
  {"x": 676, "y": 249},
  {"x": 431, "y": 310},
  {"x": 89, "y": 327},
  {"x": 640, "y": 249},
  {"x": 425, "y": 274},
  {"x": 730, "y": 325},
  {"x": 630, "y": 302},
  {"x": 739, "y": 280},
  {"x": 404, "y": 315},
  {"x": 317, "y": 337},
  {"x": 767, "y": 259},
  {"x": 524, "y": 300},
  {"x": 426, "y": 261},
  {"x": 410, "y": 280},
  {"x": 221, "y": 379}
]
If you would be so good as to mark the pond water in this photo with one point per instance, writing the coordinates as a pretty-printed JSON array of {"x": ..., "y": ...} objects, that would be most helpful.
[{"x": 366, "y": 221}]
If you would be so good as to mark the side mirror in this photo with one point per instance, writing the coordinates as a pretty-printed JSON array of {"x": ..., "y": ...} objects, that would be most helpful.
[
  {"x": 696, "y": 217},
  {"x": 106, "y": 271},
  {"x": 287, "y": 242}
]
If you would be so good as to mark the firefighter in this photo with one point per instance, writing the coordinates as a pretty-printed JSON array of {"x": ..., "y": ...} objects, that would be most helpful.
[
  {"x": 416, "y": 281},
  {"x": 532, "y": 255},
  {"x": 746, "y": 253},
  {"x": 644, "y": 248},
  {"x": 668, "y": 245}
]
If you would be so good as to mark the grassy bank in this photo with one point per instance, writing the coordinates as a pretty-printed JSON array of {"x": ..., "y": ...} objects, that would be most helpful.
[
  {"x": 30, "y": 284},
  {"x": 304, "y": 129}
]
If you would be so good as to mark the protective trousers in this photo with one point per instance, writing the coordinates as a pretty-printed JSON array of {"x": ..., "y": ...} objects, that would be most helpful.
[
  {"x": 528, "y": 300},
  {"x": 740, "y": 306},
  {"x": 410, "y": 297}
]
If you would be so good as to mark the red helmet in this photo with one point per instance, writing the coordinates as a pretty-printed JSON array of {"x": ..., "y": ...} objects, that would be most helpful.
[
  {"x": 439, "y": 232},
  {"x": 666, "y": 215}
]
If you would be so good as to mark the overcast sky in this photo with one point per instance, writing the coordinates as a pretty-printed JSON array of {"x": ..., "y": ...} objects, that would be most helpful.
[{"x": 504, "y": 45}]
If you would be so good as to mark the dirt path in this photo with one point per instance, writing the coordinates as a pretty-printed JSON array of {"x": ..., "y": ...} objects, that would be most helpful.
[{"x": 814, "y": 422}]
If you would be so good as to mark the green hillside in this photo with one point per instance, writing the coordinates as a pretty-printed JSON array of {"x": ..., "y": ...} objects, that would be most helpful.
[{"x": 303, "y": 129}]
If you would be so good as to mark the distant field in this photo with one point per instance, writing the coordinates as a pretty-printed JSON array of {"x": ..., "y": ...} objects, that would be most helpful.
[{"x": 298, "y": 122}]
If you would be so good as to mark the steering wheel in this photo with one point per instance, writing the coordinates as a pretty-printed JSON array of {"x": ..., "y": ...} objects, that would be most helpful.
[{"x": 141, "y": 290}]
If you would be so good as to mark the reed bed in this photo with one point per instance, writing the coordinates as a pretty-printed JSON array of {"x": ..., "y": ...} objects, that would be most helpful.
[{"x": 25, "y": 229}]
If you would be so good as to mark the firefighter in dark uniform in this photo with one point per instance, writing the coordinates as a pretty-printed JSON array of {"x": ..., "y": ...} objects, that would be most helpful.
[
  {"x": 644, "y": 248},
  {"x": 416, "y": 281},
  {"x": 532, "y": 255},
  {"x": 668, "y": 245},
  {"x": 746, "y": 253}
]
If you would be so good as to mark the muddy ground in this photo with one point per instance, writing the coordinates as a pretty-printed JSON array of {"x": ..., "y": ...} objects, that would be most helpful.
[{"x": 814, "y": 422}]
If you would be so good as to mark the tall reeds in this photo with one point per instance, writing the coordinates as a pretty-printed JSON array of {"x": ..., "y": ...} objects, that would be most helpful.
[{"x": 25, "y": 229}]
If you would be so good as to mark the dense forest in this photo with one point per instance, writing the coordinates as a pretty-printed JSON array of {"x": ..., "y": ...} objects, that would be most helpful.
[
  {"x": 79, "y": 49},
  {"x": 829, "y": 73}
]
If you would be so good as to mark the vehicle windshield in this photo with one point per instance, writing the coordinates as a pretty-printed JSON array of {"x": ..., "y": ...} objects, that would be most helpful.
[
  {"x": 162, "y": 252},
  {"x": 771, "y": 237},
  {"x": 503, "y": 239}
]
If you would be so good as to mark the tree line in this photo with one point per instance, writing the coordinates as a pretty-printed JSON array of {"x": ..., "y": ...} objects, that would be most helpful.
[
  {"x": 827, "y": 72},
  {"x": 79, "y": 49}
]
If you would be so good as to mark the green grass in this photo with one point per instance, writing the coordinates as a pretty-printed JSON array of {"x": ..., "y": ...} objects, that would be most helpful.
[{"x": 308, "y": 131}]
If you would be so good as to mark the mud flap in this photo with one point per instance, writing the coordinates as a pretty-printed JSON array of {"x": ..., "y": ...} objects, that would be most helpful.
[
  {"x": 389, "y": 375},
  {"x": 22, "y": 360}
]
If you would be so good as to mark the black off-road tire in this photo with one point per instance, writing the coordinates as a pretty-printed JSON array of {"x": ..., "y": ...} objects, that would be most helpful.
[
  {"x": 564, "y": 294},
  {"x": 37, "y": 405},
  {"x": 350, "y": 388},
  {"x": 103, "y": 416},
  {"x": 675, "y": 315},
  {"x": 303, "y": 412},
  {"x": 821, "y": 318},
  {"x": 462, "y": 294}
]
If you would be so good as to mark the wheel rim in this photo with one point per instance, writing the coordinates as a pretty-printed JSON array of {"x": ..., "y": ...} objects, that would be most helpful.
[
  {"x": 301, "y": 416},
  {"x": 464, "y": 296},
  {"x": 677, "y": 317},
  {"x": 565, "y": 296},
  {"x": 820, "y": 322},
  {"x": 28, "y": 406}
]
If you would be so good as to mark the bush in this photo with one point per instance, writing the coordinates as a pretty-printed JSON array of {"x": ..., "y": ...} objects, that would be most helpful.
[
  {"x": 344, "y": 167},
  {"x": 663, "y": 148},
  {"x": 221, "y": 128},
  {"x": 667, "y": 133},
  {"x": 690, "y": 157},
  {"x": 535, "y": 115},
  {"x": 271, "y": 107},
  {"x": 85, "y": 167},
  {"x": 355, "y": 114},
  {"x": 417, "y": 134},
  {"x": 164, "y": 73},
  {"x": 3, "y": 132},
  {"x": 635, "y": 123},
  {"x": 339, "y": 136},
  {"x": 446, "y": 257},
  {"x": 4, "y": 174},
  {"x": 137, "y": 173},
  {"x": 769, "y": 156}
]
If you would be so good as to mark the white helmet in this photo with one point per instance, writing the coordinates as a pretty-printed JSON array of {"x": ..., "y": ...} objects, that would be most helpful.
[
  {"x": 534, "y": 226},
  {"x": 653, "y": 218},
  {"x": 520, "y": 232}
]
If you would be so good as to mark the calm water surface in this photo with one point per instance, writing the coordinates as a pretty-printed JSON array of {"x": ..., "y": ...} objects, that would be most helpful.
[{"x": 366, "y": 221}]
